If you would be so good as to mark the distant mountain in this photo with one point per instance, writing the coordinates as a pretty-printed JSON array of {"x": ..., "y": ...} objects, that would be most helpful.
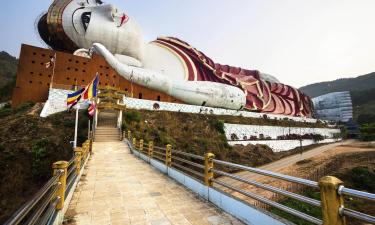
[
  {"x": 360, "y": 83},
  {"x": 8, "y": 70},
  {"x": 362, "y": 91}
]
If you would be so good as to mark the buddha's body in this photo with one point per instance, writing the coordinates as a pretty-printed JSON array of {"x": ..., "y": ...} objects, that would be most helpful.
[{"x": 166, "y": 64}]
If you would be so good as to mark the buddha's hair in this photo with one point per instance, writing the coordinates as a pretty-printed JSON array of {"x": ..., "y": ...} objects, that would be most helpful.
[{"x": 50, "y": 26}]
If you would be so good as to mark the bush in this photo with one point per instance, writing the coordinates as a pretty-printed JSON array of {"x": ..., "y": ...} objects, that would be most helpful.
[
  {"x": 5, "y": 112},
  {"x": 218, "y": 125},
  {"x": 131, "y": 116},
  {"x": 24, "y": 106},
  {"x": 368, "y": 132},
  {"x": 363, "y": 178},
  {"x": 38, "y": 152}
]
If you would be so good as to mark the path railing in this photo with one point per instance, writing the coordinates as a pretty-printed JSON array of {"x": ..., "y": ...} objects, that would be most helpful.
[
  {"x": 49, "y": 203},
  {"x": 206, "y": 170}
]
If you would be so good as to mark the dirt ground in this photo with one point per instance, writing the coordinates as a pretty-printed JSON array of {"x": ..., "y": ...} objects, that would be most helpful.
[{"x": 339, "y": 161}]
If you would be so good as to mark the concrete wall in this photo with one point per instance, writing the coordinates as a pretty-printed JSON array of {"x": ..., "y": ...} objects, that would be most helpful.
[{"x": 34, "y": 79}]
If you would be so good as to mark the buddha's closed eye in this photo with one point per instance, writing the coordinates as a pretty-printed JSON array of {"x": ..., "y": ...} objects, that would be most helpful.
[{"x": 86, "y": 16}]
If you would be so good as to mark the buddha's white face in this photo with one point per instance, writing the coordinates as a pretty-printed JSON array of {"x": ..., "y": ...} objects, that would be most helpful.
[{"x": 86, "y": 24}]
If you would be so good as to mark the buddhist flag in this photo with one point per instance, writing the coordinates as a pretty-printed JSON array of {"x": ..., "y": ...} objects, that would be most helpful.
[
  {"x": 91, "y": 109},
  {"x": 90, "y": 90},
  {"x": 74, "y": 98}
]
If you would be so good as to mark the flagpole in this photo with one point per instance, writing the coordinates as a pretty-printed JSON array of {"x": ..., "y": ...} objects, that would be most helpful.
[
  {"x": 53, "y": 70},
  {"x": 76, "y": 121},
  {"x": 76, "y": 126}
]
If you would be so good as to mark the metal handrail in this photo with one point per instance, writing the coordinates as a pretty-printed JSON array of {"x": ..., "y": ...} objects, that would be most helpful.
[
  {"x": 270, "y": 174},
  {"x": 188, "y": 169},
  {"x": 188, "y": 154},
  {"x": 357, "y": 215},
  {"x": 21, "y": 213},
  {"x": 159, "y": 158},
  {"x": 188, "y": 162},
  {"x": 159, "y": 148},
  {"x": 50, "y": 211},
  {"x": 272, "y": 203},
  {"x": 71, "y": 161},
  {"x": 272, "y": 189},
  {"x": 355, "y": 193},
  {"x": 159, "y": 153},
  {"x": 341, "y": 190},
  {"x": 36, "y": 215}
]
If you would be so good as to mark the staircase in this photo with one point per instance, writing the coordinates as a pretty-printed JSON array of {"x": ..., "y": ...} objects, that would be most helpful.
[{"x": 107, "y": 130}]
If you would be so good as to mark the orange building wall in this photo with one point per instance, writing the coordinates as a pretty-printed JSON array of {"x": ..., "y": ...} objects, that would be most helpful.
[{"x": 34, "y": 79}]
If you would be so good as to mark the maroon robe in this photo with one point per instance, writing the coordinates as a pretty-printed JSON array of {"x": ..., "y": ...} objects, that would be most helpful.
[{"x": 261, "y": 95}]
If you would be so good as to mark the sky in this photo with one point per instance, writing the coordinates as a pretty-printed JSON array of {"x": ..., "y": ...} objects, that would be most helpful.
[{"x": 298, "y": 42}]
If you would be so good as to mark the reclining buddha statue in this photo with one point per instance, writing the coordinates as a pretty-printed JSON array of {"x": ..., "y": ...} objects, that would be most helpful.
[{"x": 167, "y": 64}]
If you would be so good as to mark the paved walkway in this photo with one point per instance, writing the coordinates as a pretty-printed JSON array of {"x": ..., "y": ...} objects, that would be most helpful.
[{"x": 118, "y": 188}]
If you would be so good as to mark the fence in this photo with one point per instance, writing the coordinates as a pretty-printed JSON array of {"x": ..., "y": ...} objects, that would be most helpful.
[
  {"x": 49, "y": 204},
  {"x": 207, "y": 169}
]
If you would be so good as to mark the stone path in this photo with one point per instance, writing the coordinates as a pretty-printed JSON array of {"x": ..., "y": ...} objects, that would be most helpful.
[{"x": 118, "y": 188}]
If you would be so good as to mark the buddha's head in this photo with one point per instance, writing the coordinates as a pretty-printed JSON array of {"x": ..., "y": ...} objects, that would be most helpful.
[{"x": 73, "y": 24}]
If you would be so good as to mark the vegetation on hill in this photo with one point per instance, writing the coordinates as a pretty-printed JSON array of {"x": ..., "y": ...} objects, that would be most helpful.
[
  {"x": 8, "y": 70},
  {"x": 362, "y": 92},
  {"x": 198, "y": 134},
  {"x": 364, "y": 82},
  {"x": 28, "y": 147}
]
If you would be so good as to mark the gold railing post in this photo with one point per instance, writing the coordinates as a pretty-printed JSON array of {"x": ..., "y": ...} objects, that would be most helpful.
[
  {"x": 134, "y": 142},
  {"x": 331, "y": 201},
  {"x": 208, "y": 166},
  {"x": 129, "y": 135},
  {"x": 63, "y": 166},
  {"x": 150, "y": 149},
  {"x": 77, "y": 159},
  {"x": 168, "y": 155},
  {"x": 141, "y": 145}
]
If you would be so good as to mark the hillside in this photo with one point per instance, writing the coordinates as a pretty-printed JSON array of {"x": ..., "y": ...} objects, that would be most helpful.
[
  {"x": 362, "y": 91},
  {"x": 8, "y": 70},
  {"x": 29, "y": 145},
  {"x": 359, "y": 83}
]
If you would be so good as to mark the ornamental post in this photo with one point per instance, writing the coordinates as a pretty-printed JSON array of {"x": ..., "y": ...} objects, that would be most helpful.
[
  {"x": 168, "y": 155},
  {"x": 332, "y": 201},
  {"x": 208, "y": 167},
  {"x": 61, "y": 168}
]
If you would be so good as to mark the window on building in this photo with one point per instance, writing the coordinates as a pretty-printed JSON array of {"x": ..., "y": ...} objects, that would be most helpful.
[
  {"x": 33, "y": 62},
  {"x": 43, "y": 55},
  {"x": 31, "y": 73},
  {"x": 68, "y": 78},
  {"x": 140, "y": 96},
  {"x": 158, "y": 98},
  {"x": 68, "y": 68},
  {"x": 34, "y": 53},
  {"x": 40, "y": 74},
  {"x": 30, "y": 81}
]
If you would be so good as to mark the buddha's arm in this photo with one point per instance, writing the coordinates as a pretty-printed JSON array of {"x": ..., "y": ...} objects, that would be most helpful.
[{"x": 192, "y": 92}]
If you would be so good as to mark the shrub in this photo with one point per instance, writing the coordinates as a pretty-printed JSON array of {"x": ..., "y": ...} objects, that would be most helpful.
[
  {"x": 218, "y": 125},
  {"x": 368, "y": 132},
  {"x": 38, "y": 152},
  {"x": 5, "y": 112},
  {"x": 131, "y": 116},
  {"x": 24, "y": 106}
]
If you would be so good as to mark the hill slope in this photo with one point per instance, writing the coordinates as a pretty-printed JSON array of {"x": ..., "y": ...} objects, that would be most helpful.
[
  {"x": 359, "y": 83},
  {"x": 8, "y": 70},
  {"x": 362, "y": 91}
]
